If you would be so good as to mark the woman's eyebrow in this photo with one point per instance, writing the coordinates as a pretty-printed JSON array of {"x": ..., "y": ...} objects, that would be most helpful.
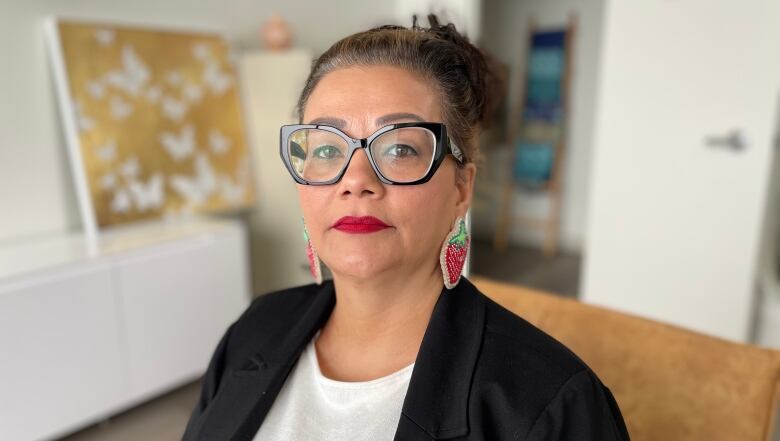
[
  {"x": 392, "y": 117},
  {"x": 381, "y": 121},
  {"x": 328, "y": 121}
]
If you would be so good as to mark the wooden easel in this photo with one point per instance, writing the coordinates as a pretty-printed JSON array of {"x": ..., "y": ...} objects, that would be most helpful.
[{"x": 553, "y": 187}]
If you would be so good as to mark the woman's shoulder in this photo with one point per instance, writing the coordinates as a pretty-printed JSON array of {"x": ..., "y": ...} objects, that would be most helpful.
[
  {"x": 539, "y": 376},
  {"x": 511, "y": 337}
]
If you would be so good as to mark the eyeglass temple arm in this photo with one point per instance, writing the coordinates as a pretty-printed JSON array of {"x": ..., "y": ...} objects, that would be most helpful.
[{"x": 456, "y": 151}]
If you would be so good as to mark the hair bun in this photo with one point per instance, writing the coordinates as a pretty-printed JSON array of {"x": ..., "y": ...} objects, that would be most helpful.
[{"x": 483, "y": 70}]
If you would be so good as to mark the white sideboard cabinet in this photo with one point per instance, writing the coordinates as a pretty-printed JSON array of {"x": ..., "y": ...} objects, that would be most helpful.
[{"x": 88, "y": 330}]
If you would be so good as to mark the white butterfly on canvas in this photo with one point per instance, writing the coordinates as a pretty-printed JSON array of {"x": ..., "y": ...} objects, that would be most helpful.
[
  {"x": 153, "y": 94},
  {"x": 198, "y": 188},
  {"x": 147, "y": 195},
  {"x": 234, "y": 191},
  {"x": 105, "y": 37},
  {"x": 83, "y": 121},
  {"x": 107, "y": 182},
  {"x": 193, "y": 92},
  {"x": 173, "y": 108},
  {"x": 201, "y": 51},
  {"x": 180, "y": 145},
  {"x": 130, "y": 168},
  {"x": 219, "y": 82},
  {"x": 134, "y": 73},
  {"x": 121, "y": 202},
  {"x": 97, "y": 89},
  {"x": 231, "y": 192},
  {"x": 173, "y": 78},
  {"x": 120, "y": 109},
  {"x": 106, "y": 152},
  {"x": 218, "y": 142}
]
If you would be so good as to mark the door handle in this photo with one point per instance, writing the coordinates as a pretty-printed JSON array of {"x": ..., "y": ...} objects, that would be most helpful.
[{"x": 734, "y": 140}]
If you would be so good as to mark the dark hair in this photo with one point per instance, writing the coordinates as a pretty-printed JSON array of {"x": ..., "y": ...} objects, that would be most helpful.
[{"x": 463, "y": 74}]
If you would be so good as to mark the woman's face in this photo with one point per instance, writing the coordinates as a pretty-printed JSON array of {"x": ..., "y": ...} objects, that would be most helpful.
[{"x": 360, "y": 100}]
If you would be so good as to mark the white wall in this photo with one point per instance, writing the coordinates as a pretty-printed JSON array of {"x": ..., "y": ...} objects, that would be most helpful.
[
  {"x": 36, "y": 191},
  {"x": 504, "y": 32}
]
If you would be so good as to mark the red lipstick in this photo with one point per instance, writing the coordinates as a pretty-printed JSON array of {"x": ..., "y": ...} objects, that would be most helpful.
[{"x": 359, "y": 224}]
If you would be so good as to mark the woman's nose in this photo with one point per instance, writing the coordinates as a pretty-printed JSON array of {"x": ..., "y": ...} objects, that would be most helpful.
[{"x": 359, "y": 178}]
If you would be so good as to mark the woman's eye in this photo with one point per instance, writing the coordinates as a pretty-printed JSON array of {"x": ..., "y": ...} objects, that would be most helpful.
[
  {"x": 326, "y": 152},
  {"x": 401, "y": 150}
]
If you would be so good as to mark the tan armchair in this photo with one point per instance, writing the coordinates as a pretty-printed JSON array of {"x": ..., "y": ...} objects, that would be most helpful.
[{"x": 671, "y": 384}]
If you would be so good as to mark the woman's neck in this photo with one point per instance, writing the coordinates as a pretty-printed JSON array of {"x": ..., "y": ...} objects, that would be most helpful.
[{"x": 377, "y": 326}]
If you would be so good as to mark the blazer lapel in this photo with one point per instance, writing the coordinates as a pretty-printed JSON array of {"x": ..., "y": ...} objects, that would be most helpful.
[
  {"x": 436, "y": 403},
  {"x": 245, "y": 398}
]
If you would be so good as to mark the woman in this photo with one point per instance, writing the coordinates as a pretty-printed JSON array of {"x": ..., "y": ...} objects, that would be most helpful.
[{"x": 398, "y": 345}]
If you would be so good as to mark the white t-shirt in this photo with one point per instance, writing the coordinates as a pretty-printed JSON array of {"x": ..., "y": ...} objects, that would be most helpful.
[{"x": 311, "y": 407}]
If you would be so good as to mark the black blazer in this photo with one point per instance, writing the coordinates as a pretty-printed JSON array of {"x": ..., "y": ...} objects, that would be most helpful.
[{"x": 482, "y": 373}]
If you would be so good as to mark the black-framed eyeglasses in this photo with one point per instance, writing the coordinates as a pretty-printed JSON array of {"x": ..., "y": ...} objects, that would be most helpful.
[{"x": 400, "y": 154}]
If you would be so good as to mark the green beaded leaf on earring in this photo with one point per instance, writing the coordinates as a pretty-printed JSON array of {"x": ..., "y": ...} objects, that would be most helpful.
[{"x": 460, "y": 238}]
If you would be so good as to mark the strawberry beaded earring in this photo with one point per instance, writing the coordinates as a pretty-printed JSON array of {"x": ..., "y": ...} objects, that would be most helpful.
[{"x": 453, "y": 253}]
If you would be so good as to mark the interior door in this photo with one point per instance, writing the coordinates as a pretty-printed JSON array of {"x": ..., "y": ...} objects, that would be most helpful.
[{"x": 686, "y": 115}]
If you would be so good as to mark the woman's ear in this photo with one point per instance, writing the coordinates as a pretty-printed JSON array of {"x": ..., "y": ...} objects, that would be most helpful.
[{"x": 464, "y": 182}]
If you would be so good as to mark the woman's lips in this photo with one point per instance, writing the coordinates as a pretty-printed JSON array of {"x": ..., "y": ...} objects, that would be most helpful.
[{"x": 359, "y": 224}]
